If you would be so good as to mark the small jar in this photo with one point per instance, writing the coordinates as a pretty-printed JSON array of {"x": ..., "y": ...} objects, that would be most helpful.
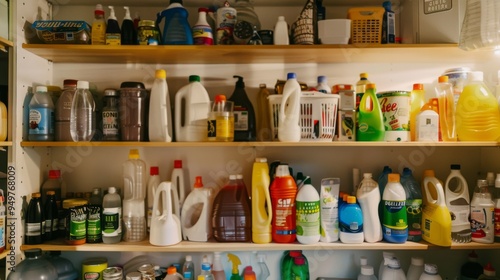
[
  {"x": 112, "y": 273},
  {"x": 75, "y": 220},
  {"x": 147, "y": 33},
  {"x": 133, "y": 276}
]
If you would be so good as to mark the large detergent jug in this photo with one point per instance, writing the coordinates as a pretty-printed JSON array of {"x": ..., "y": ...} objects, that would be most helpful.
[
  {"x": 370, "y": 119},
  {"x": 261, "y": 202},
  {"x": 164, "y": 220},
  {"x": 458, "y": 201},
  {"x": 192, "y": 105},
  {"x": 436, "y": 219},
  {"x": 482, "y": 214},
  {"x": 477, "y": 115},
  {"x": 283, "y": 192},
  {"x": 176, "y": 30},
  {"x": 195, "y": 214},
  {"x": 289, "y": 114}
]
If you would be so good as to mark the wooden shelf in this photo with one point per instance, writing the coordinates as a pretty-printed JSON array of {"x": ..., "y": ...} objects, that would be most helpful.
[
  {"x": 5, "y": 143},
  {"x": 5, "y": 42},
  {"x": 257, "y": 144},
  {"x": 241, "y": 54}
]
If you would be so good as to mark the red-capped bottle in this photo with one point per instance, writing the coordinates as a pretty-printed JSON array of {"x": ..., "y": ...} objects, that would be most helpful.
[{"x": 283, "y": 192}]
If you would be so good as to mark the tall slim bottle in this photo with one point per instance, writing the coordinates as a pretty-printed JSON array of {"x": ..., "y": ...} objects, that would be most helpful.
[
  {"x": 261, "y": 202},
  {"x": 370, "y": 119},
  {"x": 160, "y": 113},
  {"x": 35, "y": 222},
  {"x": 417, "y": 100},
  {"x": 83, "y": 118},
  {"x": 51, "y": 216},
  {"x": 94, "y": 215},
  {"x": 446, "y": 103},
  {"x": 99, "y": 26},
  {"x": 112, "y": 217}
]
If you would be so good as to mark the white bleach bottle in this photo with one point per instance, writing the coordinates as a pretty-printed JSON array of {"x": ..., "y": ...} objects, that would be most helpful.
[
  {"x": 368, "y": 195},
  {"x": 289, "y": 114},
  {"x": 160, "y": 117},
  {"x": 307, "y": 214}
]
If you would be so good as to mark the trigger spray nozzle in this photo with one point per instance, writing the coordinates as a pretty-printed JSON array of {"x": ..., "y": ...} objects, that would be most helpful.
[
  {"x": 235, "y": 262},
  {"x": 111, "y": 13}
]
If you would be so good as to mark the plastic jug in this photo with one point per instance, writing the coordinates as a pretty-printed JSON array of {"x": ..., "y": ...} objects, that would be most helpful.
[
  {"x": 368, "y": 195},
  {"x": 261, "y": 202},
  {"x": 192, "y": 105},
  {"x": 289, "y": 114},
  {"x": 477, "y": 116},
  {"x": 393, "y": 270},
  {"x": 482, "y": 214},
  {"x": 160, "y": 120},
  {"x": 34, "y": 267},
  {"x": 416, "y": 268},
  {"x": 394, "y": 220},
  {"x": 413, "y": 205},
  {"x": 196, "y": 213},
  {"x": 370, "y": 119},
  {"x": 164, "y": 221},
  {"x": 436, "y": 219},
  {"x": 417, "y": 98},
  {"x": 383, "y": 265},
  {"x": 446, "y": 101},
  {"x": 433, "y": 193},
  {"x": 458, "y": 201},
  {"x": 430, "y": 272},
  {"x": 308, "y": 214},
  {"x": 283, "y": 191},
  {"x": 176, "y": 30}
]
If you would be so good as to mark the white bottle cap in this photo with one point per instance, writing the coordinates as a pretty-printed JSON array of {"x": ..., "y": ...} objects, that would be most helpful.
[
  {"x": 367, "y": 175},
  {"x": 476, "y": 76},
  {"x": 392, "y": 263},
  {"x": 417, "y": 261},
  {"x": 41, "y": 89},
  {"x": 430, "y": 268},
  {"x": 189, "y": 258},
  {"x": 82, "y": 84},
  {"x": 112, "y": 190},
  {"x": 367, "y": 270},
  {"x": 281, "y": 18},
  {"x": 232, "y": 177},
  {"x": 282, "y": 170},
  {"x": 497, "y": 181},
  {"x": 260, "y": 159},
  {"x": 363, "y": 261},
  {"x": 239, "y": 176}
]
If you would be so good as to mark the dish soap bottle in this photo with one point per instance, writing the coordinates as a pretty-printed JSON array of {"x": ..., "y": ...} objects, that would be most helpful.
[
  {"x": 244, "y": 115},
  {"x": 370, "y": 120},
  {"x": 99, "y": 26},
  {"x": 113, "y": 33},
  {"x": 177, "y": 30},
  {"x": 128, "y": 32}
]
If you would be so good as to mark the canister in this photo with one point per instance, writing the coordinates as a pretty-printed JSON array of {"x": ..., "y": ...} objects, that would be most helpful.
[
  {"x": 395, "y": 107},
  {"x": 112, "y": 273},
  {"x": 75, "y": 220},
  {"x": 92, "y": 268},
  {"x": 147, "y": 33},
  {"x": 133, "y": 111}
]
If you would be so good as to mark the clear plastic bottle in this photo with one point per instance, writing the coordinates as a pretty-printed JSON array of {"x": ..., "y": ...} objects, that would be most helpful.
[
  {"x": 368, "y": 196},
  {"x": 112, "y": 217},
  {"x": 416, "y": 268},
  {"x": 323, "y": 85},
  {"x": 188, "y": 266},
  {"x": 110, "y": 115},
  {"x": 446, "y": 101},
  {"x": 160, "y": 120},
  {"x": 99, "y": 26},
  {"x": 41, "y": 116},
  {"x": 202, "y": 32},
  {"x": 83, "y": 118},
  {"x": 63, "y": 111},
  {"x": 221, "y": 120},
  {"x": 34, "y": 267},
  {"x": 482, "y": 214},
  {"x": 413, "y": 205},
  {"x": 458, "y": 202},
  {"x": 51, "y": 213},
  {"x": 417, "y": 97},
  {"x": 206, "y": 271}
]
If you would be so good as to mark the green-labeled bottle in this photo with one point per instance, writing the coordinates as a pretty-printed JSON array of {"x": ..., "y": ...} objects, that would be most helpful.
[
  {"x": 370, "y": 120},
  {"x": 300, "y": 269}
]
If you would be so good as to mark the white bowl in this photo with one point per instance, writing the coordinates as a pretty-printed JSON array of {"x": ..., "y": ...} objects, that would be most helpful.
[{"x": 334, "y": 31}]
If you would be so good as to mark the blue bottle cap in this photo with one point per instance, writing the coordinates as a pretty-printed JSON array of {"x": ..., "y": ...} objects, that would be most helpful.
[
  {"x": 321, "y": 79},
  {"x": 291, "y": 75}
]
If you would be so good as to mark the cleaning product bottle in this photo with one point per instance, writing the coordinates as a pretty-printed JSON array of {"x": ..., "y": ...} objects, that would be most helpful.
[
  {"x": 308, "y": 214},
  {"x": 329, "y": 204},
  {"x": 471, "y": 269},
  {"x": 458, "y": 201},
  {"x": 172, "y": 274},
  {"x": 261, "y": 202},
  {"x": 94, "y": 216},
  {"x": 246, "y": 21},
  {"x": 194, "y": 113},
  {"x": 263, "y": 116},
  {"x": 497, "y": 208},
  {"x": 393, "y": 270},
  {"x": 323, "y": 85},
  {"x": 427, "y": 124},
  {"x": 388, "y": 24},
  {"x": 382, "y": 182},
  {"x": 351, "y": 222},
  {"x": 231, "y": 213},
  {"x": 394, "y": 221},
  {"x": 368, "y": 196},
  {"x": 128, "y": 31},
  {"x": 218, "y": 269},
  {"x": 289, "y": 113},
  {"x": 300, "y": 269},
  {"x": 153, "y": 183},
  {"x": 244, "y": 114},
  {"x": 416, "y": 268},
  {"x": 235, "y": 272},
  {"x": 202, "y": 32},
  {"x": 176, "y": 30},
  {"x": 163, "y": 219},
  {"x": 478, "y": 120},
  {"x": 280, "y": 34},
  {"x": 370, "y": 120},
  {"x": 264, "y": 270},
  {"x": 180, "y": 186},
  {"x": 446, "y": 100},
  {"x": 41, "y": 116},
  {"x": 113, "y": 32},
  {"x": 112, "y": 217},
  {"x": 436, "y": 219},
  {"x": 482, "y": 214},
  {"x": 367, "y": 273},
  {"x": 287, "y": 262},
  {"x": 196, "y": 213},
  {"x": 249, "y": 274},
  {"x": 488, "y": 273},
  {"x": 224, "y": 26},
  {"x": 417, "y": 97},
  {"x": 283, "y": 191},
  {"x": 361, "y": 87},
  {"x": 98, "y": 26},
  {"x": 413, "y": 205},
  {"x": 160, "y": 115},
  {"x": 430, "y": 272},
  {"x": 383, "y": 264},
  {"x": 433, "y": 193}
]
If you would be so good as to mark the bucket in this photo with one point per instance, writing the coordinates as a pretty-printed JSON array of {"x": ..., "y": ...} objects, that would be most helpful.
[
  {"x": 164, "y": 220},
  {"x": 436, "y": 218},
  {"x": 395, "y": 107}
]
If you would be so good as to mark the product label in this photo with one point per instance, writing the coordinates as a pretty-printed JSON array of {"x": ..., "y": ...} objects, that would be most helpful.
[
  {"x": 212, "y": 129},
  {"x": 308, "y": 218},
  {"x": 51, "y": 225},
  {"x": 113, "y": 39},
  {"x": 435, "y": 6},
  {"x": 98, "y": 33},
  {"x": 202, "y": 35},
  {"x": 414, "y": 214},
  {"x": 224, "y": 127},
  {"x": 395, "y": 217},
  {"x": 284, "y": 218},
  {"x": 34, "y": 229},
  {"x": 94, "y": 230},
  {"x": 2, "y": 231},
  {"x": 240, "y": 118},
  {"x": 110, "y": 123},
  {"x": 497, "y": 222},
  {"x": 76, "y": 228},
  {"x": 396, "y": 110},
  {"x": 329, "y": 228},
  {"x": 41, "y": 121},
  {"x": 459, "y": 213},
  {"x": 111, "y": 222},
  {"x": 480, "y": 220}
]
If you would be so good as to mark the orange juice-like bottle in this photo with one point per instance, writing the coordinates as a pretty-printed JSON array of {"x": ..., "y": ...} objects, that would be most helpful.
[
  {"x": 477, "y": 116},
  {"x": 417, "y": 98},
  {"x": 446, "y": 102}
]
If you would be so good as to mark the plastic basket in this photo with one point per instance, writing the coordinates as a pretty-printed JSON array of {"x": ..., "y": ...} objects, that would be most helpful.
[
  {"x": 366, "y": 24},
  {"x": 318, "y": 116}
]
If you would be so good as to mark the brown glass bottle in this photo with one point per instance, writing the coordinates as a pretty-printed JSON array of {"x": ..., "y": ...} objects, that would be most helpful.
[
  {"x": 35, "y": 223},
  {"x": 50, "y": 213}
]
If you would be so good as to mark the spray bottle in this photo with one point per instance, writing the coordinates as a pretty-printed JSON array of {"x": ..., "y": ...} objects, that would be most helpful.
[{"x": 235, "y": 272}]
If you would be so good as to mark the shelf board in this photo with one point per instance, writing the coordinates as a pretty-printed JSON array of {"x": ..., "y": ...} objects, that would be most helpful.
[
  {"x": 241, "y": 54},
  {"x": 6, "y": 42},
  {"x": 257, "y": 144},
  {"x": 5, "y": 143}
]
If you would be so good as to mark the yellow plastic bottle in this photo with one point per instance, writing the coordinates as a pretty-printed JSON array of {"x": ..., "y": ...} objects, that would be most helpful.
[
  {"x": 477, "y": 116},
  {"x": 99, "y": 26},
  {"x": 436, "y": 218},
  {"x": 417, "y": 100},
  {"x": 261, "y": 218},
  {"x": 3, "y": 121},
  {"x": 429, "y": 173},
  {"x": 361, "y": 87}
]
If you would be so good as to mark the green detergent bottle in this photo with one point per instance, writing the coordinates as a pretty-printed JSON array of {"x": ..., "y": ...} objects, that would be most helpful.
[{"x": 370, "y": 119}]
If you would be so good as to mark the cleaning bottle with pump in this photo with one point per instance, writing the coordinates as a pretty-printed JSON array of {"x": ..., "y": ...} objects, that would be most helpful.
[
  {"x": 235, "y": 272},
  {"x": 128, "y": 31},
  {"x": 244, "y": 114},
  {"x": 113, "y": 32}
]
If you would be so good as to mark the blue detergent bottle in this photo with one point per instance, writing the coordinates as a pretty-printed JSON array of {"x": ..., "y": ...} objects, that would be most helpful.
[{"x": 177, "y": 30}]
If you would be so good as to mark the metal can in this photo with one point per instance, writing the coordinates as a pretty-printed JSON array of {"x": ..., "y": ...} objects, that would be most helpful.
[
  {"x": 75, "y": 220},
  {"x": 92, "y": 268},
  {"x": 113, "y": 273},
  {"x": 147, "y": 33}
]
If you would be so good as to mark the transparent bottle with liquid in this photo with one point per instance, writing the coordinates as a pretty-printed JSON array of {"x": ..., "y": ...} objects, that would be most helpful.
[
  {"x": 41, "y": 116},
  {"x": 63, "y": 111},
  {"x": 446, "y": 102},
  {"x": 99, "y": 26},
  {"x": 188, "y": 266},
  {"x": 417, "y": 100},
  {"x": 83, "y": 118}
]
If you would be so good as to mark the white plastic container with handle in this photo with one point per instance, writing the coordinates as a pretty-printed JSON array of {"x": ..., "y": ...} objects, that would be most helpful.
[{"x": 164, "y": 221}]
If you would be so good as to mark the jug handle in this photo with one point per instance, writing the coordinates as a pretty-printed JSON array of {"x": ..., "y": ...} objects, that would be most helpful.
[
  {"x": 163, "y": 187},
  {"x": 269, "y": 213},
  {"x": 175, "y": 200},
  {"x": 439, "y": 189}
]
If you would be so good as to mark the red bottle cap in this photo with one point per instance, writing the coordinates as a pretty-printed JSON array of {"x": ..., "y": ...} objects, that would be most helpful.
[
  {"x": 154, "y": 170},
  {"x": 177, "y": 163},
  {"x": 418, "y": 87},
  {"x": 54, "y": 174},
  {"x": 299, "y": 261},
  {"x": 198, "y": 183}
]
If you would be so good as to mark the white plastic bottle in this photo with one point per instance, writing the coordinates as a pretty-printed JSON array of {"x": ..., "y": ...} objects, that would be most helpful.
[
  {"x": 160, "y": 117},
  {"x": 289, "y": 114},
  {"x": 482, "y": 214},
  {"x": 196, "y": 213},
  {"x": 430, "y": 273},
  {"x": 218, "y": 269},
  {"x": 368, "y": 195},
  {"x": 366, "y": 273},
  {"x": 458, "y": 202},
  {"x": 112, "y": 217},
  {"x": 393, "y": 270},
  {"x": 41, "y": 116},
  {"x": 416, "y": 268},
  {"x": 179, "y": 184},
  {"x": 395, "y": 220},
  {"x": 382, "y": 266},
  {"x": 280, "y": 35},
  {"x": 497, "y": 208},
  {"x": 323, "y": 85},
  {"x": 191, "y": 118},
  {"x": 307, "y": 214},
  {"x": 153, "y": 183}
]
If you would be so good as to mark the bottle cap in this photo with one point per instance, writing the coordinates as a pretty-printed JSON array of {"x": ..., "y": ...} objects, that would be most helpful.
[
  {"x": 406, "y": 171},
  {"x": 345, "y": 197},
  {"x": 177, "y": 163},
  {"x": 232, "y": 177},
  {"x": 430, "y": 268},
  {"x": 475, "y": 76},
  {"x": 82, "y": 84},
  {"x": 239, "y": 83},
  {"x": 70, "y": 83},
  {"x": 387, "y": 5},
  {"x": 54, "y": 174},
  {"x": 265, "y": 160},
  {"x": 41, "y": 89},
  {"x": 392, "y": 262},
  {"x": 111, "y": 92},
  {"x": 239, "y": 176},
  {"x": 490, "y": 177},
  {"x": 194, "y": 78},
  {"x": 282, "y": 170},
  {"x": 371, "y": 86},
  {"x": 50, "y": 192},
  {"x": 171, "y": 270},
  {"x": 455, "y": 167},
  {"x": 36, "y": 195},
  {"x": 154, "y": 170},
  {"x": 160, "y": 74},
  {"x": 321, "y": 79},
  {"x": 111, "y": 190},
  {"x": 489, "y": 270},
  {"x": 497, "y": 181},
  {"x": 351, "y": 199},
  {"x": 291, "y": 75},
  {"x": 367, "y": 270},
  {"x": 99, "y": 10},
  {"x": 202, "y": 10},
  {"x": 96, "y": 191},
  {"x": 189, "y": 258},
  {"x": 363, "y": 260},
  {"x": 281, "y": 18},
  {"x": 429, "y": 173},
  {"x": 393, "y": 178},
  {"x": 198, "y": 183},
  {"x": 127, "y": 13},
  {"x": 481, "y": 183},
  {"x": 220, "y": 98},
  {"x": 363, "y": 75},
  {"x": 262, "y": 86},
  {"x": 133, "y": 154},
  {"x": 111, "y": 13},
  {"x": 418, "y": 86},
  {"x": 367, "y": 175},
  {"x": 443, "y": 79},
  {"x": 417, "y": 261}
]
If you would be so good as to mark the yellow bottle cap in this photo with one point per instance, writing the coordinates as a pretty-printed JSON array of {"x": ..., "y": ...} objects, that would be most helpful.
[
  {"x": 393, "y": 178},
  {"x": 160, "y": 74}
]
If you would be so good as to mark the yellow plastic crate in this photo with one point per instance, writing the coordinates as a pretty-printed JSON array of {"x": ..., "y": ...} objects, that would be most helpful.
[{"x": 366, "y": 24}]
